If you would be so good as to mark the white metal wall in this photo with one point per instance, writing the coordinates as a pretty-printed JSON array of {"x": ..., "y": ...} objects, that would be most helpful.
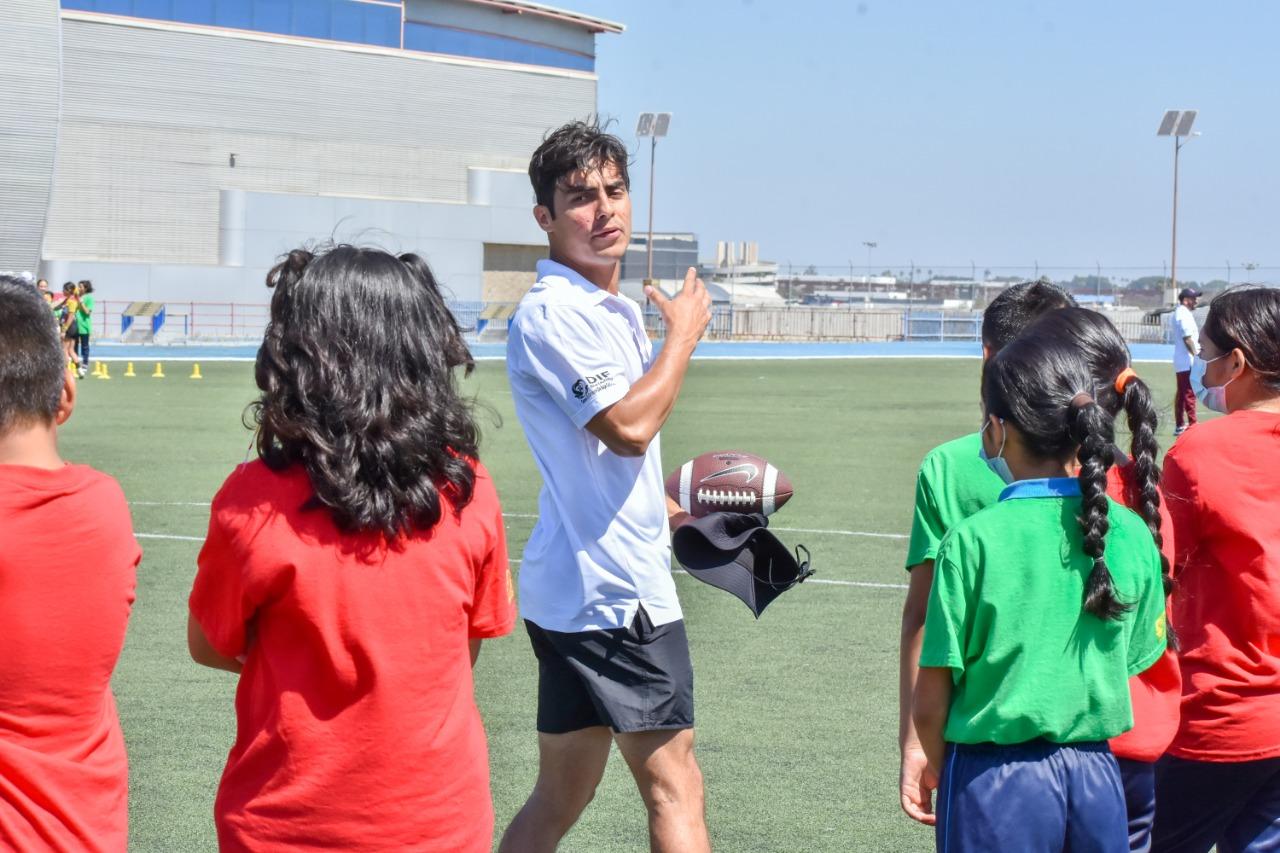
[
  {"x": 29, "y": 81},
  {"x": 152, "y": 114}
]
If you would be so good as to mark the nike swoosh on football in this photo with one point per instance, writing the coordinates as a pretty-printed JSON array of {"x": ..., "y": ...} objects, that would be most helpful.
[{"x": 746, "y": 468}]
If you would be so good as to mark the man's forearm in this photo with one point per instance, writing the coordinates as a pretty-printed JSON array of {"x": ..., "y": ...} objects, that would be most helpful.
[
  {"x": 629, "y": 425},
  {"x": 1189, "y": 344}
]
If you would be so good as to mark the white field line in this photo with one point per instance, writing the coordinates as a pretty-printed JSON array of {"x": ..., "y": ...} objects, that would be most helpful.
[
  {"x": 516, "y": 561},
  {"x": 532, "y": 515},
  {"x": 867, "y": 584}
]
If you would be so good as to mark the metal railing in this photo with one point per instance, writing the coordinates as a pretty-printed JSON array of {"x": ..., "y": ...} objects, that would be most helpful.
[
  {"x": 235, "y": 321},
  {"x": 190, "y": 321}
]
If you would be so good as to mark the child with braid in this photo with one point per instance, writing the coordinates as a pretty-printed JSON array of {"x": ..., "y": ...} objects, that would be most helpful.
[
  {"x": 1133, "y": 481},
  {"x": 1042, "y": 607}
]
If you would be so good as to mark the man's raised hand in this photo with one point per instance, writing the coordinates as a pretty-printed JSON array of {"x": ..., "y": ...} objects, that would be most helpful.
[{"x": 687, "y": 314}]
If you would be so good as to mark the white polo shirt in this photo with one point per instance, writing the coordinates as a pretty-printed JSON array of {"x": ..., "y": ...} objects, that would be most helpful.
[
  {"x": 602, "y": 545},
  {"x": 1183, "y": 325}
]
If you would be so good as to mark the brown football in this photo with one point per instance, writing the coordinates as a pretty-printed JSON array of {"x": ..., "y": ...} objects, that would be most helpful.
[{"x": 728, "y": 481}]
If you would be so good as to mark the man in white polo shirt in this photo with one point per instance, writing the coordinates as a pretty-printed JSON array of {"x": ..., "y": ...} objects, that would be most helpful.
[
  {"x": 596, "y": 590},
  {"x": 1186, "y": 346}
]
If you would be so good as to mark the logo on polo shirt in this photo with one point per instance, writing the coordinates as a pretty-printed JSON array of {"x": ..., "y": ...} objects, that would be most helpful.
[{"x": 589, "y": 386}]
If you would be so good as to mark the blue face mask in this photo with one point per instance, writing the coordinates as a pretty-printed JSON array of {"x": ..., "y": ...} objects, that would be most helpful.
[
  {"x": 997, "y": 465},
  {"x": 1214, "y": 397}
]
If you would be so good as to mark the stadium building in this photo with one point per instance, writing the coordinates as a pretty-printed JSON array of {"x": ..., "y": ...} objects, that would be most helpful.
[{"x": 197, "y": 140}]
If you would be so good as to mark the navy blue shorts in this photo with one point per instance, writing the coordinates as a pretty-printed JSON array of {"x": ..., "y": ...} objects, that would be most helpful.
[
  {"x": 1201, "y": 803},
  {"x": 1139, "y": 779},
  {"x": 633, "y": 679},
  {"x": 1035, "y": 797}
]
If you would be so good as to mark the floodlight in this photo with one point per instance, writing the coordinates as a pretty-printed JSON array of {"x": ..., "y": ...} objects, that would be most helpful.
[
  {"x": 654, "y": 126},
  {"x": 1176, "y": 123},
  {"x": 1184, "y": 123}
]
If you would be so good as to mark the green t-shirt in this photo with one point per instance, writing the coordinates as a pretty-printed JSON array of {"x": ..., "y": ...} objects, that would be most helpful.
[
  {"x": 84, "y": 314},
  {"x": 1006, "y": 616},
  {"x": 954, "y": 483}
]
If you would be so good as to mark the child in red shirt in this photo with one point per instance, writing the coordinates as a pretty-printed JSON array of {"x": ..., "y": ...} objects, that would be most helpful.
[
  {"x": 351, "y": 571},
  {"x": 64, "y": 777},
  {"x": 1220, "y": 782}
]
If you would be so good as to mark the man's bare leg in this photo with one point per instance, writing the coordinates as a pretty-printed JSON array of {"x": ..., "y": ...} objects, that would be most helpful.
[
  {"x": 670, "y": 782},
  {"x": 569, "y": 769}
]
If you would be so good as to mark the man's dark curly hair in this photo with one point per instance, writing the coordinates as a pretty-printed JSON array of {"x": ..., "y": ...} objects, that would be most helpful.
[
  {"x": 578, "y": 146},
  {"x": 358, "y": 387}
]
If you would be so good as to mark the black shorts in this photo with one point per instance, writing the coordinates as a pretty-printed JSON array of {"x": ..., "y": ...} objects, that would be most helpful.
[{"x": 634, "y": 679}]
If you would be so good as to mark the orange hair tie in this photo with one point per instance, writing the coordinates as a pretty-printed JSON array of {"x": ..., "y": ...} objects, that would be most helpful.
[{"x": 1124, "y": 377}]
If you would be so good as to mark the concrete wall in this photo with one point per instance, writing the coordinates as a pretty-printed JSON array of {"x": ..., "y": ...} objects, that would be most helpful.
[
  {"x": 451, "y": 237},
  {"x": 30, "y": 80},
  {"x": 154, "y": 111}
]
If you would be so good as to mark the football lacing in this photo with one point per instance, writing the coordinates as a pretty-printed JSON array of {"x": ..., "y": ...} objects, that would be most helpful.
[{"x": 730, "y": 498}]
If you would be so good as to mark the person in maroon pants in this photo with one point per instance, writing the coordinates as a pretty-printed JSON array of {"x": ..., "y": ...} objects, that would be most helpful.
[{"x": 1185, "y": 347}]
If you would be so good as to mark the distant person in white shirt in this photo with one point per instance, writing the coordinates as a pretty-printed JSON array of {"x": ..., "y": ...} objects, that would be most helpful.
[
  {"x": 596, "y": 590},
  {"x": 1186, "y": 346}
]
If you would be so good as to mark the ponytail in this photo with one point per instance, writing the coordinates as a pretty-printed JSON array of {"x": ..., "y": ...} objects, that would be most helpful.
[{"x": 1093, "y": 431}]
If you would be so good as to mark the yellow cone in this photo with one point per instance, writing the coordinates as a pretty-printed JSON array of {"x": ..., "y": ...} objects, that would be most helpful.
[
  {"x": 159, "y": 374},
  {"x": 100, "y": 369},
  {"x": 128, "y": 370},
  {"x": 195, "y": 372}
]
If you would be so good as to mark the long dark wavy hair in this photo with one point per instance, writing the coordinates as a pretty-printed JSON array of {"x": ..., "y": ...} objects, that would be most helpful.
[
  {"x": 1046, "y": 388},
  {"x": 357, "y": 373}
]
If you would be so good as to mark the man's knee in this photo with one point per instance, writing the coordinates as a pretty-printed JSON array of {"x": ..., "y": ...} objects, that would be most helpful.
[
  {"x": 562, "y": 799},
  {"x": 674, "y": 785}
]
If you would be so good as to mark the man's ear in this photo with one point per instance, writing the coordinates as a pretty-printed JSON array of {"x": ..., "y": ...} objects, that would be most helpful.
[
  {"x": 66, "y": 399},
  {"x": 545, "y": 219}
]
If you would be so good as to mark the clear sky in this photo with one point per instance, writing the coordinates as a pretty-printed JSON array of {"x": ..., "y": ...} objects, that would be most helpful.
[{"x": 998, "y": 133}]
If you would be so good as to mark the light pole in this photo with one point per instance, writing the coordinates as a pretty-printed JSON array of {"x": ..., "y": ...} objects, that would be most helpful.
[
  {"x": 1176, "y": 123},
  {"x": 652, "y": 125},
  {"x": 870, "y": 245},
  {"x": 1097, "y": 283}
]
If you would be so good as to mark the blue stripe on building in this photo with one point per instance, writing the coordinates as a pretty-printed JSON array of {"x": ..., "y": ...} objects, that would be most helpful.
[{"x": 341, "y": 21}]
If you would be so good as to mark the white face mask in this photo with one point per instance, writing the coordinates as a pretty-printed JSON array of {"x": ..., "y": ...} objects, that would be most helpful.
[
  {"x": 997, "y": 464},
  {"x": 1214, "y": 397}
]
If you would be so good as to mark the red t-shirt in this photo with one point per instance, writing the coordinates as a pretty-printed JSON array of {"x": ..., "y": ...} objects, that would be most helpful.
[
  {"x": 68, "y": 564},
  {"x": 1155, "y": 692},
  {"x": 356, "y": 724},
  {"x": 1223, "y": 482}
]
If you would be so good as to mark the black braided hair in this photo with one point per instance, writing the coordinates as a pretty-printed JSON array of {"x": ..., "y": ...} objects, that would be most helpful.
[
  {"x": 1043, "y": 385},
  {"x": 1107, "y": 357},
  {"x": 1093, "y": 431}
]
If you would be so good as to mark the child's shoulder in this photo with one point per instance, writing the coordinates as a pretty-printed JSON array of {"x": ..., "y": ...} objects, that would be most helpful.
[
  {"x": 1124, "y": 520},
  {"x": 254, "y": 483}
]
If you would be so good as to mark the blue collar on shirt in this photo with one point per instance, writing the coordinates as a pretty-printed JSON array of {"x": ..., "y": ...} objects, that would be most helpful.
[
  {"x": 549, "y": 267},
  {"x": 1049, "y": 487}
]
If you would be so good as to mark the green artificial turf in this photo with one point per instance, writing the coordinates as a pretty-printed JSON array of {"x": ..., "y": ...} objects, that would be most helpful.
[{"x": 797, "y": 719}]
